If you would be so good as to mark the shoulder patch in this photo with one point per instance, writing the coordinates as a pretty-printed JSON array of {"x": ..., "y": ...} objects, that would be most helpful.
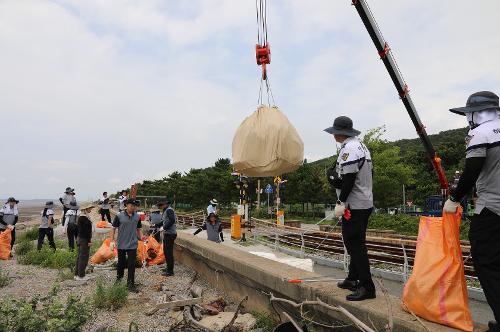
[
  {"x": 468, "y": 139},
  {"x": 345, "y": 156}
]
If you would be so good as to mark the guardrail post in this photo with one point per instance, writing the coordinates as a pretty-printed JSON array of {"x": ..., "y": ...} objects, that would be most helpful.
[
  {"x": 192, "y": 225},
  {"x": 405, "y": 265},
  {"x": 302, "y": 245},
  {"x": 276, "y": 241}
]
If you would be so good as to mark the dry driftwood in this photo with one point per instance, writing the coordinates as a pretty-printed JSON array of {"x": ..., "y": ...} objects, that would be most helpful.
[
  {"x": 299, "y": 329},
  {"x": 359, "y": 324},
  {"x": 390, "y": 325},
  {"x": 174, "y": 304},
  {"x": 231, "y": 323},
  {"x": 196, "y": 291}
]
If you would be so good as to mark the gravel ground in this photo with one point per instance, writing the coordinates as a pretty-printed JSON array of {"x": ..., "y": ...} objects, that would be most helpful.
[{"x": 28, "y": 280}]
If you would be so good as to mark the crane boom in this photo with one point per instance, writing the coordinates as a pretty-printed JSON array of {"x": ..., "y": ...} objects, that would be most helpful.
[{"x": 402, "y": 88}]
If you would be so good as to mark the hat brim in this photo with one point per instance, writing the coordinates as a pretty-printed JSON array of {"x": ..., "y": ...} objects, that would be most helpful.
[
  {"x": 346, "y": 132},
  {"x": 15, "y": 201},
  {"x": 472, "y": 109}
]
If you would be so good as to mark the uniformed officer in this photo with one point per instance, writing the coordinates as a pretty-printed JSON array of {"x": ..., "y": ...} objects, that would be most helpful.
[
  {"x": 105, "y": 206},
  {"x": 68, "y": 197},
  {"x": 482, "y": 168},
  {"x": 123, "y": 197},
  {"x": 212, "y": 208},
  {"x": 128, "y": 224},
  {"x": 355, "y": 204},
  {"x": 213, "y": 226},
  {"x": 169, "y": 228},
  {"x": 9, "y": 215},
  {"x": 155, "y": 223}
]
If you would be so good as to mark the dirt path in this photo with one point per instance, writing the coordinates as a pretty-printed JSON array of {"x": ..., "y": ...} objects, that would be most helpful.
[{"x": 28, "y": 281}]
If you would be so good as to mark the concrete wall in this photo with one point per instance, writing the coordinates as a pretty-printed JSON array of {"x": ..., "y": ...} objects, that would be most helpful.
[{"x": 239, "y": 273}]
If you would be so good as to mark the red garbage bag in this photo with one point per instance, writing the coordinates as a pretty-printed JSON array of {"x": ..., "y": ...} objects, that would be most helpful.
[
  {"x": 104, "y": 253},
  {"x": 436, "y": 289},
  {"x": 5, "y": 238}
]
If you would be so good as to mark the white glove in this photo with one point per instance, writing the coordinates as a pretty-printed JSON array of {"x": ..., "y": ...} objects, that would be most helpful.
[
  {"x": 339, "y": 209},
  {"x": 11, "y": 227},
  {"x": 161, "y": 229},
  {"x": 450, "y": 206}
]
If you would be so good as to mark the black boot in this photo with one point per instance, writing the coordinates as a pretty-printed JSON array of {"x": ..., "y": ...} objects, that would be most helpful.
[
  {"x": 351, "y": 285},
  {"x": 493, "y": 326},
  {"x": 361, "y": 294}
]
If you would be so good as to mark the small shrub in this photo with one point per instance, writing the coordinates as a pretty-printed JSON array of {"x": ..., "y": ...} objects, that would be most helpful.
[
  {"x": 110, "y": 297},
  {"x": 65, "y": 274},
  {"x": 265, "y": 321},
  {"x": 29, "y": 234},
  {"x": 47, "y": 257},
  {"x": 44, "y": 314},
  {"x": 23, "y": 247},
  {"x": 4, "y": 279}
]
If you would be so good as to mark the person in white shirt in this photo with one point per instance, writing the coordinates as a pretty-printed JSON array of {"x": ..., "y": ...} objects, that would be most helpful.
[
  {"x": 212, "y": 208},
  {"x": 104, "y": 208},
  {"x": 9, "y": 215},
  {"x": 68, "y": 197},
  {"x": 46, "y": 227},
  {"x": 70, "y": 224},
  {"x": 123, "y": 197}
]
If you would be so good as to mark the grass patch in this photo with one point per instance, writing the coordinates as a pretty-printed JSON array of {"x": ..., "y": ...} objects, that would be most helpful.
[
  {"x": 4, "y": 279},
  {"x": 65, "y": 274},
  {"x": 112, "y": 296},
  {"x": 44, "y": 314},
  {"x": 29, "y": 234},
  {"x": 401, "y": 223},
  {"x": 47, "y": 257},
  {"x": 265, "y": 321}
]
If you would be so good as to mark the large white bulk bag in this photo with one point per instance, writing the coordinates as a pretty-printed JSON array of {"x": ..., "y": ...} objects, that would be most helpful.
[{"x": 266, "y": 144}]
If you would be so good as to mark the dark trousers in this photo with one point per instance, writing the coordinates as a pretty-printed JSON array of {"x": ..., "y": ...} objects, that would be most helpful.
[
  {"x": 155, "y": 231},
  {"x": 126, "y": 257},
  {"x": 106, "y": 214},
  {"x": 82, "y": 258},
  {"x": 49, "y": 232},
  {"x": 72, "y": 233},
  {"x": 354, "y": 236},
  {"x": 484, "y": 236},
  {"x": 65, "y": 209},
  {"x": 168, "y": 249}
]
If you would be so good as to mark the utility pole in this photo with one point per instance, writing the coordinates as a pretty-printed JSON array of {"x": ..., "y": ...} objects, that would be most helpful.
[{"x": 258, "y": 195}]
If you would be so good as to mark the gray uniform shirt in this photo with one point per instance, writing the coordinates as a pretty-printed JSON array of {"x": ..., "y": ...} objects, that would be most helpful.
[
  {"x": 354, "y": 157},
  {"x": 127, "y": 230},
  {"x": 9, "y": 215},
  {"x": 212, "y": 231},
  {"x": 45, "y": 219},
  {"x": 169, "y": 220},
  {"x": 105, "y": 203},
  {"x": 67, "y": 198},
  {"x": 484, "y": 141},
  {"x": 155, "y": 219}
]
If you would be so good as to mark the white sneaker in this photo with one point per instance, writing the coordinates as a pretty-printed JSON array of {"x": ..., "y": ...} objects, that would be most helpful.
[{"x": 85, "y": 278}]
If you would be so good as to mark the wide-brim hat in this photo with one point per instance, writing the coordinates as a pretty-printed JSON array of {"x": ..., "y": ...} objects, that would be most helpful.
[
  {"x": 342, "y": 126},
  {"x": 12, "y": 199},
  {"x": 479, "y": 101},
  {"x": 69, "y": 190},
  {"x": 87, "y": 206},
  {"x": 154, "y": 209},
  {"x": 214, "y": 202},
  {"x": 49, "y": 204}
]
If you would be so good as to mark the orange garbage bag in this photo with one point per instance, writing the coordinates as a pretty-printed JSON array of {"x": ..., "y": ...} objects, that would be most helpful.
[
  {"x": 5, "y": 238},
  {"x": 101, "y": 224},
  {"x": 147, "y": 250},
  {"x": 436, "y": 289},
  {"x": 104, "y": 253},
  {"x": 159, "y": 257}
]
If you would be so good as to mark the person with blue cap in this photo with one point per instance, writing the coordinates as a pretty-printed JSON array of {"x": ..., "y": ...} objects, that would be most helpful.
[
  {"x": 354, "y": 171},
  {"x": 482, "y": 169}
]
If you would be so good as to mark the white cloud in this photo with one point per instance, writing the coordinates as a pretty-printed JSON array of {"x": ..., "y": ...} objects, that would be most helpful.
[{"x": 99, "y": 94}]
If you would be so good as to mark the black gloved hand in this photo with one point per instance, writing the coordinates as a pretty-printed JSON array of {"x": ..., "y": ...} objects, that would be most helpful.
[{"x": 334, "y": 178}]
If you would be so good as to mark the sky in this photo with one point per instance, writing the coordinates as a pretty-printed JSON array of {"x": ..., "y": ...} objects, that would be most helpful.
[{"x": 97, "y": 95}]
